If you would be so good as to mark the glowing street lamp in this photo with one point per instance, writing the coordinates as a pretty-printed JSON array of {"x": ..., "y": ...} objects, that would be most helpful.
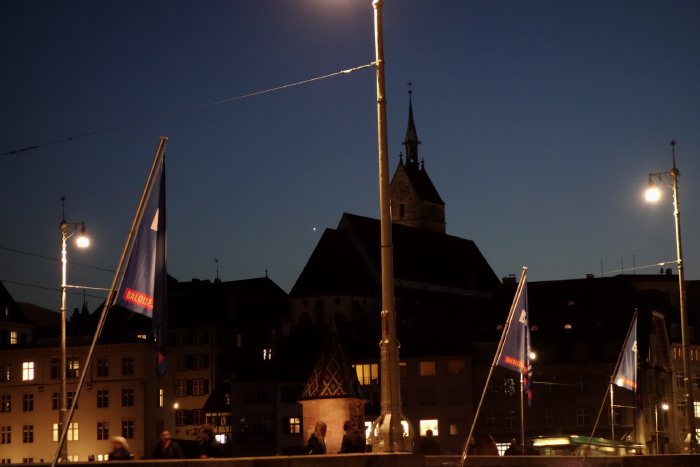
[
  {"x": 68, "y": 229},
  {"x": 654, "y": 194}
]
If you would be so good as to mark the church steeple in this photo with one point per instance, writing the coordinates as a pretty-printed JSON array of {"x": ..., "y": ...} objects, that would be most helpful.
[
  {"x": 414, "y": 200},
  {"x": 411, "y": 140}
]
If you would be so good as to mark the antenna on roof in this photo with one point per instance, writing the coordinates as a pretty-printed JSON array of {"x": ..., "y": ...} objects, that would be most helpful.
[{"x": 216, "y": 260}]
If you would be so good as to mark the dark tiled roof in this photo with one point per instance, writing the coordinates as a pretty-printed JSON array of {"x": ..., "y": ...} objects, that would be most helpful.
[
  {"x": 333, "y": 375},
  {"x": 347, "y": 261},
  {"x": 9, "y": 310}
]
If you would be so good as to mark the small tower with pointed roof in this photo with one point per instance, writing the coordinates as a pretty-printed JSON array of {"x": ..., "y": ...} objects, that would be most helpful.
[
  {"x": 332, "y": 395},
  {"x": 414, "y": 200}
]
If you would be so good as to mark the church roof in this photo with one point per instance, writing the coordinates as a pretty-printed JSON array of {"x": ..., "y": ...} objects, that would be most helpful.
[
  {"x": 333, "y": 376},
  {"x": 347, "y": 261}
]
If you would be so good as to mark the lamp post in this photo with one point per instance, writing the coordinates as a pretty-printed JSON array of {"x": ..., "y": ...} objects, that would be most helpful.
[
  {"x": 387, "y": 431},
  {"x": 68, "y": 229},
  {"x": 654, "y": 194}
]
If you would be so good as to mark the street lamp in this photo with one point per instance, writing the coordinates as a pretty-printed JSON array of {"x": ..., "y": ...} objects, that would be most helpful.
[
  {"x": 387, "y": 428},
  {"x": 654, "y": 194},
  {"x": 68, "y": 229}
]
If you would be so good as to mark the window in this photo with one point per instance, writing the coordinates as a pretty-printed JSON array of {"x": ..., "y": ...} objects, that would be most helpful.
[
  {"x": 54, "y": 401},
  {"x": 5, "y": 373},
  {"x": 509, "y": 386},
  {"x": 27, "y": 402},
  {"x": 550, "y": 418},
  {"x": 458, "y": 426},
  {"x": 27, "y": 434},
  {"x": 456, "y": 367},
  {"x": 54, "y": 368},
  {"x": 27, "y": 371},
  {"x": 403, "y": 369},
  {"x": 198, "y": 417},
  {"x": 581, "y": 385},
  {"x": 509, "y": 419},
  {"x": 491, "y": 420},
  {"x": 5, "y": 403},
  {"x": 267, "y": 353},
  {"x": 181, "y": 363},
  {"x": 13, "y": 337},
  {"x": 552, "y": 385},
  {"x": 696, "y": 381},
  {"x": 456, "y": 395},
  {"x": 102, "y": 430},
  {"x": 5, "y": 434},
  {"x": 200, "y": 336},
  {"x": 69, "y": 401},
  {"x": 681, "y": 408},
  {"x": 425, "y": 425},
  {"x": 180, "y": 388},
  {"x": 367, "y": 373},
  {"x": 198, "y": 387},
  {"x": 581, "y": 416},
  {"x": 181, "y": 417},
  {"x": 200, "y": 361},
  {"x": 679, "y": 380},
  {"x": 71, "y": 433},
  {"x": 161, "y": 398},
  {"x": 427, "y": 368},
  {"x": 677, "y": 352},
  {"x": 696, "y": 411},
  {"x": 102, "y": 367},
  {"x": 293, "y": 425},
  {"x": 694, "y": 354},
  {"x": 127, "y": 366},
  {"x": 102, "y": 398},
  {"x": 128, "y": 429},
  {"x": 127, "y": 397},
  {"x": 427, "y": 396},
  {"x": 73, "y": 370},
  {"x": 27, "y": 460},
  {"x": 181, "y": 338}
]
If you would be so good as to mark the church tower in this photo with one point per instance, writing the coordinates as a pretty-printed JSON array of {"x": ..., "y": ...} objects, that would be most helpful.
[{"x": 414, "y": 200}]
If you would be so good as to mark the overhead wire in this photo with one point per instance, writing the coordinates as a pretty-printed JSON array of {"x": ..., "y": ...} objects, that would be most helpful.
[{"x": 184, "y": 110}]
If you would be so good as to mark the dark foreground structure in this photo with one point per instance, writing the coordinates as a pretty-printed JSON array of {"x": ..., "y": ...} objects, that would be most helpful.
[{"x": 411, "y": 460}]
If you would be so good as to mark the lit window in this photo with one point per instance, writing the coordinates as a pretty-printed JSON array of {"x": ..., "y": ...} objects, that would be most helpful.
[
  {"x": 696, "y": 406},
  {"x": 294, "y": 425},
  {"x": 568, "y": 326},
  {"x": 367, "y": 373},
  {"x": 456, "y": 367},
  {"x": 27, "y": 371},
  {"x": 267, "y": 354},
  {"x": 161, "y": 397},
  {"x": 13, "y": 337},
  {"x": 427, "y": 368},
  {"x": 143, "y": 337},
  {"x": 71, "y": 434},
  {"x": 73, "y": 368},
  {"x": 425, "y": 425}
]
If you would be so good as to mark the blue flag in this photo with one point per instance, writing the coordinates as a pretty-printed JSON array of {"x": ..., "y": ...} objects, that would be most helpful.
[
  {"x": 143, "y": 289},
  {"x": 626, "y": 375},
  {"x": 515, "y": 353}
]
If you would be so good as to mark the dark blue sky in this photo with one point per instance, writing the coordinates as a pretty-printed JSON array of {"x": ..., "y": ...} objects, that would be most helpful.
[{"x": 539, "y": 123}]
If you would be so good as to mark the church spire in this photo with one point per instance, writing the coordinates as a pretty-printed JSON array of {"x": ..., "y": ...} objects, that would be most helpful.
[{"x": 411, "y": 141}]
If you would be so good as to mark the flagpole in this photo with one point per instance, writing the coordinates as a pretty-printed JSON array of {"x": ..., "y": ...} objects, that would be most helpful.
[
  {"x": 612, "y": 381},
  {"x": 612, "y": 411},
  {"x": 497, "y": 355},
  {"x": 158, "y": 160},
  {"x": 522, "y": 414}
]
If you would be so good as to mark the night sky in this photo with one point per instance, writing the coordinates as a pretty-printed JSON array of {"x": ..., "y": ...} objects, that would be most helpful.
[{"x": 539, "y": 122}]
